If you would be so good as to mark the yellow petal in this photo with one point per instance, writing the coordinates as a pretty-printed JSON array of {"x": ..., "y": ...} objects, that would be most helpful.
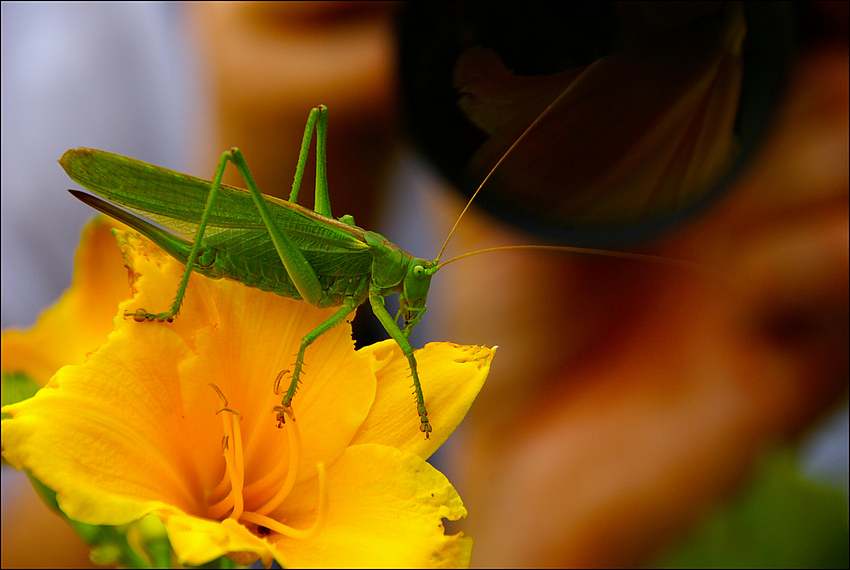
[
  {"x": 102, "y": 434},
  {"x": 82, "y": 318},
  {"x": 451, "y": 376},
  {"x": 385, "y": 511},
  {"x": 196, "y": 541}
]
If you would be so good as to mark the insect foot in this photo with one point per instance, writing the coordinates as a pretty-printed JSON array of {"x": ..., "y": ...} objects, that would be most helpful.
[
  {"x": 425, "y": 425},
  {"x": 285, "y": 407},
  {"x": 282, "y": 413},
  {"x": 141, "y": 315}
]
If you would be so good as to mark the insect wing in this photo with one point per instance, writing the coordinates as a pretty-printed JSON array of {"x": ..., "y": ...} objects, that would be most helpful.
[{"x": 176, "y": 201}]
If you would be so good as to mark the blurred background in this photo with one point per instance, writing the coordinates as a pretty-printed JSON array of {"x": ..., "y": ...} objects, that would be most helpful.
[{"x": 634, "y": 408}]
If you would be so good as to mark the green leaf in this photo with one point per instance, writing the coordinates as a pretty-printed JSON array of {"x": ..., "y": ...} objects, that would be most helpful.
[
  {"x": 16, "y": 387},
  {"x": 781, "y": 520}
]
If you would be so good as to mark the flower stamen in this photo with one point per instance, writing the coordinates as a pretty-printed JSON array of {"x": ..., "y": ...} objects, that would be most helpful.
[
  {"x": 237, "y": 470},
  {"x": 234, "y": 478},
  {"x": 288, "y": 531},
  {"x": 277, "y": 381},
  {"x": 234, "y": 461}
]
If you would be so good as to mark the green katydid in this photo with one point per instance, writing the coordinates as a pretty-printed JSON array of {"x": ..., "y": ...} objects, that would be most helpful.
[{"x": 303, "y": 254}]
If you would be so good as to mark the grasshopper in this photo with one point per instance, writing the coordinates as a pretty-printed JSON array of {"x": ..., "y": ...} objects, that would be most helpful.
[
  {"x": 292, "y": 251},
  {"x": 303, "y": 254}
]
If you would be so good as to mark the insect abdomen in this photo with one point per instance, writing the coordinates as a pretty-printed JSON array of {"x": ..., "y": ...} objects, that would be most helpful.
[{"x": 270, "y": 275}]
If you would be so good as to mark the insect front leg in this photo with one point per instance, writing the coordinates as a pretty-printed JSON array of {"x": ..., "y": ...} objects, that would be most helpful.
[
  {"x": 412, "y": 317},
  {"x": 391, "y": 326}
]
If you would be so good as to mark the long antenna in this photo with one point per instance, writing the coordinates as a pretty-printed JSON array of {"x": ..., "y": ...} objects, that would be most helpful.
[
  {"x": 504, "y": 156},
  {"x": 589, "y": 251}
]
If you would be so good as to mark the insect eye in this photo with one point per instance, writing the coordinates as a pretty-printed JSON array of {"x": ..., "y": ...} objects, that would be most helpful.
[{"x": 419, "y": 272}]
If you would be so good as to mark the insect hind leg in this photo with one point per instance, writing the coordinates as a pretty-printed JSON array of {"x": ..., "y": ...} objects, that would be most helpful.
[
  {"x": 140, "y": 315},
  {"x": 318, "y": 119}
]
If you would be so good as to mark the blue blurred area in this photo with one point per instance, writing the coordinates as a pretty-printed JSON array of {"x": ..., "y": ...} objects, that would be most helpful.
[
  {"x": 824, "y": 455},
  {"x": 109, "y": 76}
]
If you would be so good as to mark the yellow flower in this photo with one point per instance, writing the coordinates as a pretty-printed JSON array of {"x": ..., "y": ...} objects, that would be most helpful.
[{"x": 176, "y": 420}]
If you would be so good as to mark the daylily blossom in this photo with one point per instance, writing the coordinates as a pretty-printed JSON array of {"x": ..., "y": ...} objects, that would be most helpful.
[{"x": 177, "y": 420}]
